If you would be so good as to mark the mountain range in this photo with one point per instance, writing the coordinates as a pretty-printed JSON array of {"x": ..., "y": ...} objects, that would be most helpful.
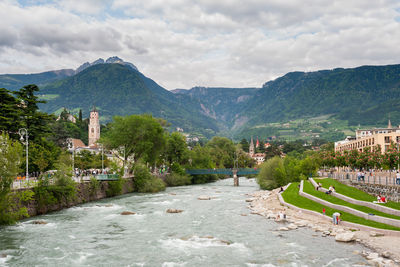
[{"x": 327, "y": 103}]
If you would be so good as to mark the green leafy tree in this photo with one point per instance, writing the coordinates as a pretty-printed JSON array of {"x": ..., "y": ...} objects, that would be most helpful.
[
  {"x": 222, "y": 151},
  {"x": 142, "y": 136},
  {"x": 10, "y": 159},
  {"x": 272, "y": 174},
  {"x": 176, "y": 148}
]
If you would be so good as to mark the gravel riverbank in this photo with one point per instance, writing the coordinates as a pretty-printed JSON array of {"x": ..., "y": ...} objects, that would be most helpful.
[{"x": 386, "y": 249}]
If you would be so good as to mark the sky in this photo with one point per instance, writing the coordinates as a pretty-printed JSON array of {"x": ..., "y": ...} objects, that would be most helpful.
[{"x": 187, "y": 43}]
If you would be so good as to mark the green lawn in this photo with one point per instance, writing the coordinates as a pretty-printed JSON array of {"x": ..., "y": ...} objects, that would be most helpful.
[
  {"x": 309, "y": 188},
  {"x": 354, "y": 192},
  {"x": 291, "y": 196}
]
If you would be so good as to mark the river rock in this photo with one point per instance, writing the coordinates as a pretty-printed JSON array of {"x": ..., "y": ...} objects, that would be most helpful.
[
  {"x": 249, "y": 199},
  {"x": 385, "y": 254},
  {"x": 345, "y": 237},
  {"x": 283, "y": 229},
  {"x": 172, "y": 194},
  {"x": 375, "y": 234},
  {"x": 128, "y": 213},
  {"x": 204, "y": 198},
  {"x": 292, "y": 226},
  {"x": 326, "y": 233},
  {"x": 174, "y": 211},
  {"x": 39, "y": 222},
  {"x": 3, "y": 255},
  {"x": 301, "y": 223},
  {"x": 372, "y": 256},
  {"x": 225, "y": 242}
]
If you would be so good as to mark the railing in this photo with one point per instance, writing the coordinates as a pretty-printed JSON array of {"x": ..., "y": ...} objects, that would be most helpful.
[
  {"x": 240, "y": 171},
  {"x": 381, "y": 178}
]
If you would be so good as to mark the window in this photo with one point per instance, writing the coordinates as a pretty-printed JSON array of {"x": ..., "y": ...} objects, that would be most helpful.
[
  {"x": 387, "y": 139},
  {"x": 373, "y": 141},
  {"x": 397, "y": 139},
  {"x": 92, "y": 130}
]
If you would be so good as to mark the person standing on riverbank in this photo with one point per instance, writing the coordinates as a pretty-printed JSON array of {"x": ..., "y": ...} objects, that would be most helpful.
[{"x": 336, "y": 218}]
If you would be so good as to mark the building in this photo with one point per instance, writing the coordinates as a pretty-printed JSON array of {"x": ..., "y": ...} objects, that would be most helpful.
[
  {"x": 251, "y": 147},
  {"x": 94, "y": 127},
  {"x": 372, "y": 138},
  {"x": 258, "y": 157}
]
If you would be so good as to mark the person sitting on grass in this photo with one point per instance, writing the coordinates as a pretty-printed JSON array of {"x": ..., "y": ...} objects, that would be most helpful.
[{"x": 330, "y": 190}]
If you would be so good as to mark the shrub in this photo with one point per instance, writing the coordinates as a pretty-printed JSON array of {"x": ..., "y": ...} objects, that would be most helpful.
[
  {"x": 272, "y": 174},
  {"x": 176, "y": 179},
  {"x": 144, "y": 182},
  {"x": 115, "y": 187},
  {"x": 94, "y": 186}
]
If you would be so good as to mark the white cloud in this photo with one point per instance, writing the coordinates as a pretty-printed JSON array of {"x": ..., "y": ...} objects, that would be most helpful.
[{"x": 182, "y": 43}]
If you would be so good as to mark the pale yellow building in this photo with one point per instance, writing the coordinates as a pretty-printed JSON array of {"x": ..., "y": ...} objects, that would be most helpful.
[{"x": 382, "y": 137}]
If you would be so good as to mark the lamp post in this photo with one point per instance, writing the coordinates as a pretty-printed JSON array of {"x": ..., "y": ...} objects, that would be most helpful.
[
  {"x": 71, "y": 148},
  {"x": 24, "y": 133},
  {"x": 102, "y": 158}
]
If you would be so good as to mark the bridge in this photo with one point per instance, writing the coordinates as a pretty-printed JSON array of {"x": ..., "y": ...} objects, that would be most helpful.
[{"x": 235, "y": 172}]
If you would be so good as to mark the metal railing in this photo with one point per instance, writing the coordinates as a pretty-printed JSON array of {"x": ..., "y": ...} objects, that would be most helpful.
[{"x": 380, "y": 178}]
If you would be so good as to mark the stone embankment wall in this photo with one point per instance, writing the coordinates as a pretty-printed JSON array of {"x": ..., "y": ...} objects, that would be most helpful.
[
  {"x": 84, "y": 194},
  {"x": 390, "y": 192}
]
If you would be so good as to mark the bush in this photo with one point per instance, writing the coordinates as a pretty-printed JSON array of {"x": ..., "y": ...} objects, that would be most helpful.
[
  {"x": 94, "y": 186},
  {"x": 115, "y": 187},
  {"x": 272, "y": 174},
  {"x": 176, "y": 179},
  {"x": 144, "y": 182}
]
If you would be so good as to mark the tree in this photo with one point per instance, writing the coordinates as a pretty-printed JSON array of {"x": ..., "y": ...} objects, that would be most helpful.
[
  {"x": 272, "y": 174},
  {"x": 80, "y": 115},
  {"x": 10, "y": 159},
  {"x": 33, "y": 120},
  {"x": 272, "y": 151},
  {"x": 176, "y": 148},
  {"x": 9, "y": 113},
  {"x": 245, "y": 145},
  {"x": 222, "y": 151},
  {"x": 142, "y": 136}
]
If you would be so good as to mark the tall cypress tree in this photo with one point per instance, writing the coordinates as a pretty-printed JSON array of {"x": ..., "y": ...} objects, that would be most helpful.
[{"x": 80, "y": 115}]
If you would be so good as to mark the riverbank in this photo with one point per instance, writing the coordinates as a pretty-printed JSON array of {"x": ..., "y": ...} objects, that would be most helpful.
[{"x": 386, "y": 248}]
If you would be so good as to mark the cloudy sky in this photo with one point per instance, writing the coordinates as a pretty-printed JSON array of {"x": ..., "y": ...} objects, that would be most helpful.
[{"x": 185, "y": 43}]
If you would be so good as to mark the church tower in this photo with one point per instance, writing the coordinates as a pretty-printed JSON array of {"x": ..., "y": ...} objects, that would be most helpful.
[
  {"x": 251, "y": 147},
  {"x": 94, "y": 126}
]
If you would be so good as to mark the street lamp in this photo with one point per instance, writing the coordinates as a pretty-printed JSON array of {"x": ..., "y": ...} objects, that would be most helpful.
[
  {"x": 102, "y": 158},
  {"x": 72, "y": 148},
  {"x": 24, "y": 133}
]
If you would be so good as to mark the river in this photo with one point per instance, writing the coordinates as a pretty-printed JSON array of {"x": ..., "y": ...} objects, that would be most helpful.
[{"x": 207, "y": 233}]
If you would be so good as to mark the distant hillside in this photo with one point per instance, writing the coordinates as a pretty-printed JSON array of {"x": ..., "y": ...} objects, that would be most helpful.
[
  {"x": 363, "y": 95},
  {"x": 16, "y": 81},
  {"x": 222, "y": 104},
  {"x": 117, "y": 89},
  {"x": 322, "y": 104}
]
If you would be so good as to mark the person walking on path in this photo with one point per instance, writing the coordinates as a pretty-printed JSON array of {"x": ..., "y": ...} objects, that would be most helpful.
[{"x": 397, "y": 177}]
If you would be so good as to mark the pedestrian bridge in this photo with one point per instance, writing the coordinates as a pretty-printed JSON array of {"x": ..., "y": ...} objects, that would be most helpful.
[
  {"x": 234, "y": 172},
  {"x": 240, "y": 171}
]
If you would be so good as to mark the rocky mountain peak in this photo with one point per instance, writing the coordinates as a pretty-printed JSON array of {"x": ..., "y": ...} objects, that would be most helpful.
[{"x": 110, "y": 60}]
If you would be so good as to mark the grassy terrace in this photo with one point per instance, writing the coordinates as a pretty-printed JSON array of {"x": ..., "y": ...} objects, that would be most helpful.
[
  {"x": 309, "y": 188},
  {"x": 291, "y": 196},
  {"x": 353, "y": 192}
]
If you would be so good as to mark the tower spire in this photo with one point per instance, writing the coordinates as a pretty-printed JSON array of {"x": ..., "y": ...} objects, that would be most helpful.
[{"x": 389, "y": 123}]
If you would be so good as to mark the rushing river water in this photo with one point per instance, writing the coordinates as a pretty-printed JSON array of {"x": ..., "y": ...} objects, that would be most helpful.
[{"x": 207, "y": 233}]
